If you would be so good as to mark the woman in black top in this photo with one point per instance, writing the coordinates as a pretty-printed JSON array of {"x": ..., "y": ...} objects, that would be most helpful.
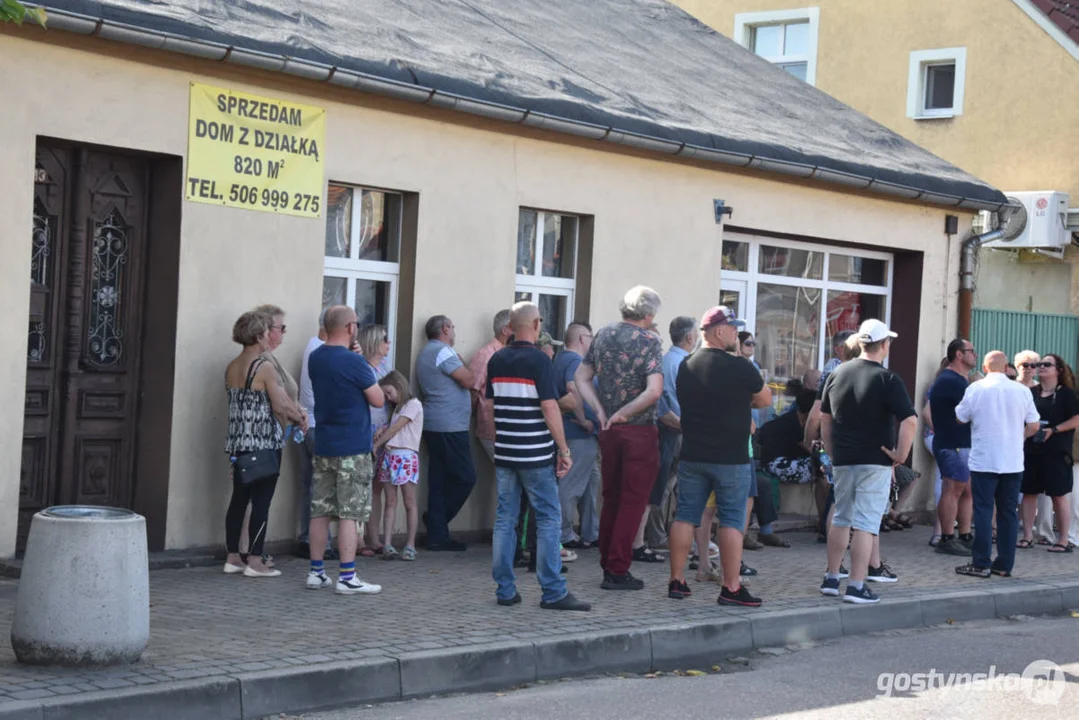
[{"x": 1048, "y": 455}]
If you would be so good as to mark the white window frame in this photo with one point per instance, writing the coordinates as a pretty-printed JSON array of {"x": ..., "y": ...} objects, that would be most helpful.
[
  {"x": 920, "y": 61},
  {"x": 353, "y": 268},
  {"x": 745, "y": 23},
  {"x": 751, "y": 279},
  {"x": 538, "y": 284}
]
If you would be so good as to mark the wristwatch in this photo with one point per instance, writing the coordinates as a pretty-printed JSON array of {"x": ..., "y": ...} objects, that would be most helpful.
[{"x": 564, "y": 454}]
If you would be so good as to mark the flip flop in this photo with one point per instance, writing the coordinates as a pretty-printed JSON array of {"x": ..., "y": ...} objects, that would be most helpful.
[
  {"x": 1059, "y": 548},
  {"x": 1044, "y": 541},
  {"x": 1025, "y": 544},
  {"x": 366, "y": 552}
]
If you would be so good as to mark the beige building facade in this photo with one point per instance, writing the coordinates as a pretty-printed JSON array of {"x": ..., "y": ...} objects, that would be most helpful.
[
  {"x": 1008, "y": 112},
  {"x": 448, "y": 193}
]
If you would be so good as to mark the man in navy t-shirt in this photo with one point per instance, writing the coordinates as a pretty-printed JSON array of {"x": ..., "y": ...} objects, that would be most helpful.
[
  {"x": 576, "y": 490},
  {"x": 951, "y": 449},
  {"x": 345, "y": 388},
  {"x": 528, "y": 432}
]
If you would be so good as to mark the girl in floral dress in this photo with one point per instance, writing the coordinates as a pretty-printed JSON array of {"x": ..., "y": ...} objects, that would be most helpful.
[{"x": 400, "y": 464}]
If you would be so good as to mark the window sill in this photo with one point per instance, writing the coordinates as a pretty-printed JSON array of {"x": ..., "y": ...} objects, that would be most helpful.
[{"x": 936, "y": 116}]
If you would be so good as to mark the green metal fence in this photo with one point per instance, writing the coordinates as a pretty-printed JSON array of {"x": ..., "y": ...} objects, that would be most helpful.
[{"x": 1015, "y": 331}]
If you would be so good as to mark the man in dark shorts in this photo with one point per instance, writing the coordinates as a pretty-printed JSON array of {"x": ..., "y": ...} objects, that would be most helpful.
[
  {"x": 716, "y": 391},
  {"x": 951, "y": 449}
]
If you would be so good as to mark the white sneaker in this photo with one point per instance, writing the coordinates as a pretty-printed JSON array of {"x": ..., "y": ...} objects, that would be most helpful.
[
  {"x": 316, "y": 581},
  {"x": 713, "y": 550},
  {"x": 354, "y": 586}
]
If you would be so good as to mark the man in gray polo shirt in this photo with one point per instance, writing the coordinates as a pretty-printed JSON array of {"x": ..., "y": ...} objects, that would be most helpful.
[{"x": 444, "y": 381}]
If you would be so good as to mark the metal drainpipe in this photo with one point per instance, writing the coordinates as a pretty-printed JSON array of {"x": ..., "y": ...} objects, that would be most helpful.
[{"x": 966, "y": 277}]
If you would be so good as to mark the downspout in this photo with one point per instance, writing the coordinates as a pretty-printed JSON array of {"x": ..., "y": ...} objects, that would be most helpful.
[{"x": 966, "y": 277}]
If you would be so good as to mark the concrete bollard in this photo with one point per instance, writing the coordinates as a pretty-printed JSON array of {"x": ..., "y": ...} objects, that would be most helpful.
[{"x": 84, "y": 593}]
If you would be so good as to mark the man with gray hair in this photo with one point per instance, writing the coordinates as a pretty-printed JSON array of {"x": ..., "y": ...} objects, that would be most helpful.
[
  {"x": 481, "y": 406},
  {"x": 307, "y": 447},
  {"x": 445, "y": 383},
  {"x": 627, "y": 359},
  {"x": 576, "y": 491}
]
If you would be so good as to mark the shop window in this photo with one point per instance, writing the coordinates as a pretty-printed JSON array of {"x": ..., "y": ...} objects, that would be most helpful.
[
  {"x": 546, "y": 267},
  {"x": 362, "y": 258}
]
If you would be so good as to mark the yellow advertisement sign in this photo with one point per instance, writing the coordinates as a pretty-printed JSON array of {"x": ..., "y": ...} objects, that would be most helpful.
[{"x": 253, "y": 152}]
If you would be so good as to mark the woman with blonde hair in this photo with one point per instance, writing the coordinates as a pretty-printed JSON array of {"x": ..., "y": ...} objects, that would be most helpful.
[
  {"x": 255, "y": 397},
  {"x": 373, "y": 342},
  {"x": 399, "y": 466}
]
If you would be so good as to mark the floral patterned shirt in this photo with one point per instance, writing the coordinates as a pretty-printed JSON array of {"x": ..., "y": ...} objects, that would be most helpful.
[{"x": 623, "y": 356}]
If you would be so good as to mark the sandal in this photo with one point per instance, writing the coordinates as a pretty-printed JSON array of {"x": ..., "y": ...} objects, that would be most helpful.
[
  {"x": 709, "y": 575},
  {"x": 773, "y": 540},
  {"x": 1025, "y": 544},
  {"x": 647, "y": 554},
  {"x": 934, "y": 540},
  {"x": 389, "y": 552},
  {"x": 905, "y": 520},
  {"x": 1058, "y": 548},
  {"x": 408, "y": 554},
  {"x": 1044, "y": 541}
]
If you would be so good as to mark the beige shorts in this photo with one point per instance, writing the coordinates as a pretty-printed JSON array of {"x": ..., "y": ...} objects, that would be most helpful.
[{"x": 341, "y": 487}]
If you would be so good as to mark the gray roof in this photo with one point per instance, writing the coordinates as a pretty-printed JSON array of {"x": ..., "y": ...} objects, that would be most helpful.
[{"x": 637, "y": 72}]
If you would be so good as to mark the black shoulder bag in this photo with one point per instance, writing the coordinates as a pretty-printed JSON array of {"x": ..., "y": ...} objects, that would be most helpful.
[{"x": 251, "y": 467}]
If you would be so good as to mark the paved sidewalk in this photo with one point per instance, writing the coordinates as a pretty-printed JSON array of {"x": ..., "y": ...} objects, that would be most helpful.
[{"x": 222, "y": 630}]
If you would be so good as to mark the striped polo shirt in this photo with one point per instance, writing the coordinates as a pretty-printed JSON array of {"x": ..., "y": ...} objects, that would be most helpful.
[{"x": 519, "y": 378}]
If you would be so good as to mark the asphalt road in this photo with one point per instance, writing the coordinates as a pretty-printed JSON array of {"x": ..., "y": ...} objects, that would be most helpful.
[{"x": 862, "y": 677}]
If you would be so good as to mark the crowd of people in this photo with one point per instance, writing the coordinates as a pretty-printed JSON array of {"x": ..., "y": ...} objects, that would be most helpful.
[{"x": 604, "y": 440}]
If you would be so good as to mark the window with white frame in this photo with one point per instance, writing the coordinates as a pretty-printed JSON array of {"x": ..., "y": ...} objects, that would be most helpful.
[
  {"x": 936, "y": 83},
  {"x": 795, "y": 296},
  {"x": 547, "y": 265},
  {"x": 363, "y": 246},
  {"x": 787, "y": 38}
]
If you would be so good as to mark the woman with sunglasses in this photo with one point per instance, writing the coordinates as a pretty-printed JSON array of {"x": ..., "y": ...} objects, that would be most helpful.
[
  {"x": 1048, "y": 455},
  {"x": 374, "y": 344}
]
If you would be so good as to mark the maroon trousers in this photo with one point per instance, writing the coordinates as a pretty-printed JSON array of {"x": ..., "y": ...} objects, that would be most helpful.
[{"x": 630, "y": 461}]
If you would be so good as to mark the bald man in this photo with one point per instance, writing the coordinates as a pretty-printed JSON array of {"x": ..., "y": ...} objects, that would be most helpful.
[{"x": 1002, "y": 415}]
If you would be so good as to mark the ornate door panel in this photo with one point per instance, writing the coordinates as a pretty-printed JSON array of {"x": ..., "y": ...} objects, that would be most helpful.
[{"x": 82, "y": 393}]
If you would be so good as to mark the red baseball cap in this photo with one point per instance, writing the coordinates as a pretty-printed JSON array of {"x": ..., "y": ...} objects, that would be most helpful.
[{"x": 719, "y": 315}]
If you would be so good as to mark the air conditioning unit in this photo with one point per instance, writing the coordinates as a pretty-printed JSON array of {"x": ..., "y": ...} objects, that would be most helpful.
[{"x": 1045, "y": 227}]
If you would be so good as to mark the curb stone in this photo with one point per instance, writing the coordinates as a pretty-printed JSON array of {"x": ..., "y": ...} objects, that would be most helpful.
[{"x": 253, "y": 695}]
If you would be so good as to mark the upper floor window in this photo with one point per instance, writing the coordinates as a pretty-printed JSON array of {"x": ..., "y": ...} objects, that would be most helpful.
[
  {"x": 935, "y": 83},
  {"x": 787, "y": 38}
]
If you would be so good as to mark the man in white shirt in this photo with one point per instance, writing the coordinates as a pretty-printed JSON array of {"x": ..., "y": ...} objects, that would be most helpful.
[
  {"x": 1002, "y": 415},
  {"x": 307, "y": 447}
]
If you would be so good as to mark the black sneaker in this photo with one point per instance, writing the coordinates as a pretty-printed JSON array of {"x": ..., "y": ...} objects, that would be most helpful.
[
  {"x": 447, "y": 545},
  {"x": 741, "y": 598},
  {"x": 865, "y": 596},
  {"x": 567, "y": 603},
  {"x": 843, "y": 572},
  {"x": 967, "y": 542},
  {"x": 678, "y": 589},
  {"x": 747, "y": 571},
  {"x": 830, "y": 587},
  {"x": 952, "y": 546},
  {"x": 648, "y": 555},
  {"x": 1000, "y": 572},
  {"x": 516, "y": 599},
  {"x": 694, "y": 562},
  {"x": 882, "y": 574},
  {"x": 621, "y": 582},
  {"x": 973, "y": 570}
]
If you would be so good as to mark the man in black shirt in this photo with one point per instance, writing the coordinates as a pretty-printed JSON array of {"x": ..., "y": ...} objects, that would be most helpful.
[
  {"x": 862, "y": 400},
  {"x": 716, "y": 391}
]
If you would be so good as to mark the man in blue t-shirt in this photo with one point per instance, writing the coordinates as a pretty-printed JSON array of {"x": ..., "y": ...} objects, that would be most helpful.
[
  {"x": 344, "y": 388},
  {"x": 528, "y": 434},
  {"x": 577, "y": 490},
  {"x": 951, "y": 449}
]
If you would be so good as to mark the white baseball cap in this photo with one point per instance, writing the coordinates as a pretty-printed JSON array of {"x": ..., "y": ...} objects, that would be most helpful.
[{"x": 873, "y": 331}]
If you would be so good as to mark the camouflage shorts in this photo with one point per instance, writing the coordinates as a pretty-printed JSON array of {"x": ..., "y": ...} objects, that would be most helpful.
[{"x": 341, "y": 487}]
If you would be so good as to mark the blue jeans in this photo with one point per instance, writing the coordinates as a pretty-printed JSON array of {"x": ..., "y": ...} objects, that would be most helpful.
[
  {"x": 1002, "y": 488},
  {"x": 542, "y": 488},
  {"x": 730, "y": 483}
]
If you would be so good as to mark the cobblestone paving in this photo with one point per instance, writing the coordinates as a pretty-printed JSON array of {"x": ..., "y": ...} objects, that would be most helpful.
[{"x": 204, "y": 623}]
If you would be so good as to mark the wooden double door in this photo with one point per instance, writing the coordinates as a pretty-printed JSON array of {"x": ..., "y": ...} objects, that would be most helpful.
[{"x": 84, "y": 354}]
